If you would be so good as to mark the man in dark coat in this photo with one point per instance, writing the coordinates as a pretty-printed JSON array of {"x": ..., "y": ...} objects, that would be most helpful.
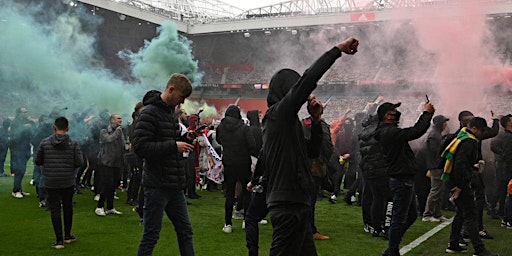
[
  {"x": 21, "y": 134},
  {"x": 60, "y": 156},
  {"x": 238, "y": 145},
  {"x": 286, "y": 152},
  {"x": 158, "y": 139},
  {"x": 402, "y": 167}
]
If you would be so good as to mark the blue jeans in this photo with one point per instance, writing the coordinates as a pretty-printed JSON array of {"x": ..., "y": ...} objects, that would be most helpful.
[
  {"x": 404, "y": 212},
  {"x": 156, "y": 201}
]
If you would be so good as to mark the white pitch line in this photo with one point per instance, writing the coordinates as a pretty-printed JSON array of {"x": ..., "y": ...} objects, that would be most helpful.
[{"x": 424, "y": 237}]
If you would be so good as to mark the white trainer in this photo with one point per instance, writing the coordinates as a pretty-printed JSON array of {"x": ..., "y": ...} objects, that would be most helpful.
[
  {"x": 100, "y": 212},
  {"x": 97, "y": 197},
  {"x": 17, "y": 194},
  {"x": 263, "y": 222},
  {"x": 227, "y": 229},
  {"x": 113, "y": 211},
  {"x": 243, "y": 224}
]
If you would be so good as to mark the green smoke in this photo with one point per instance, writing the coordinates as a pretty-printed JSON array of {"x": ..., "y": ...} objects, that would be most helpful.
[{"x": 164, "y": 55}]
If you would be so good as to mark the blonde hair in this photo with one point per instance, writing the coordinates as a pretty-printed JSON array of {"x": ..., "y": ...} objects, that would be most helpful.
[{"x": 180, "y": 83}]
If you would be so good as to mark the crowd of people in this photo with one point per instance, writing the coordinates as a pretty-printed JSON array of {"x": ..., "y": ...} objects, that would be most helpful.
[{"x": 276, "y": 164}]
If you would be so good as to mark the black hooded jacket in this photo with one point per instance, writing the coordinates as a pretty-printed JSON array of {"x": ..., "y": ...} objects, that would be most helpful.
[
  {"x": 255, "y": 127},
  {"x": 60, "y": 156},
  {"x": 284, "y": 147},
  {"x": 154, "y": 139},
  {"x": 236, "y": 139},
  {"x": 395, "y": 144}
]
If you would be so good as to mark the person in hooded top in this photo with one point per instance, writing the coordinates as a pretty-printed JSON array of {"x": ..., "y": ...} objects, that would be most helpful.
[
  {"x": 255, "y": 126},
  {"x": 158, "y": 140},
  {"x": 286, "y": 152},
  {"x": 238, "y": 145},
  {"x": 60, "y": 155}
]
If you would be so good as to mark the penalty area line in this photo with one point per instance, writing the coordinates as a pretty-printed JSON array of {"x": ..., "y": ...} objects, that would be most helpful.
[{"x": 424, "y": 237}]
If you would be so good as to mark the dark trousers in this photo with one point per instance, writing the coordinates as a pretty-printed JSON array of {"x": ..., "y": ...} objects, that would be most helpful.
[
  {"x": 507, "y": 215},
  {"x": 379, "y": 189},
  {"x": 501, "y": 190},
  {"x": 479, "y": 195},
  {"x": 57, "y": 197},
  {"x": 190, "y": 172},
  {"x": 3, "y": 155},
  {"x": 366, "y": 199},
  {"x": 314, "y": 192},
  {"x": 38, "y": 182},
  {"x": 292, "y": 230},
  {"x": 19, "y": 160},
  {"x": 174, "y": 205},
  {"x": 135, "y": 179},
  {"x": 256, "y": 211},
  {"x": 110, "y": 177},
  {"x": 466, "y": 215},
  {"x": 80, "y": 172},
  {"x": 232, "y": 174},
  {"x": 404, "y": 212}
]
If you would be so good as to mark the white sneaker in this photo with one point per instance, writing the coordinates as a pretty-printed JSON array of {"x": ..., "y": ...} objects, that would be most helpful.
[
  {"x": 17, "y": 194},
  {"x": 31, "y": 182},
  {"x": 97, "y": 197},
  {"x": 430, "y": 219},
  {"x": 100, "y": 212},
  {"x": 443, "y": 219},
  {"x": 263, "y": 222},
  {"x": 116, "y": 197},
  {"x": 243, "y": 224},
  {"x": 25, "y": 193},
  {"x": 227, "y": 229},
  {"x": 113, "y": 211}
]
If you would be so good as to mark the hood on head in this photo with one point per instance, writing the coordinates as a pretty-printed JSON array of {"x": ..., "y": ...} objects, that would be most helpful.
[
  {"x": 280, "y": 84},
  {"x": 233, "y": 111},
  {"x": 254, "y": 118}
]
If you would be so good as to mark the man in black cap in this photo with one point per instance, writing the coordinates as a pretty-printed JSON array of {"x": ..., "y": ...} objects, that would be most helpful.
[
  {"x": 477, "y": 183},
  {"x": 401, "y": 167},
  {"x": 433, "y": 207},
  {"x": 462, "y": 156}
]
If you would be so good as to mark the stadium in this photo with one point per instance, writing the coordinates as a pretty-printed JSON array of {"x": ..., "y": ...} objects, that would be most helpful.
[{"x": 69, "y": 54}]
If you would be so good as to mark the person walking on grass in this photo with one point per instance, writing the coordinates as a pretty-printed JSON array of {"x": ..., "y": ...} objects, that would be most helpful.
[
  {"x": 286, "y": 152},
  {"x": 158, "y": 139},
  {"x": 60, "y": 156}
]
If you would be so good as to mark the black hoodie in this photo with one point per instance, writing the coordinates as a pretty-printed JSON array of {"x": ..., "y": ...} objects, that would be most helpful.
[
  {"x": 284, "y": 147},
  {"x": 255, "y": 127},
  {"x": 236, "y": 139},
  {"x": 154, "y": 139}
]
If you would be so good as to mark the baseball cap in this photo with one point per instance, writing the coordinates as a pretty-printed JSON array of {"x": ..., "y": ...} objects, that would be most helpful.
[
  {"x": 439, "y": 119},
  {"x": 385, "y": 107}
]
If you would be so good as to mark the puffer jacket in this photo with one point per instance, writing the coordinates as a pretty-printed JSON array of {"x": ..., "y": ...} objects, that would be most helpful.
[
  {"x": 60, "y": 156},
  {"x": 155, "y": 136},
  {"x": 373, "y": 162},
  {"x": 236, "y": 139}
]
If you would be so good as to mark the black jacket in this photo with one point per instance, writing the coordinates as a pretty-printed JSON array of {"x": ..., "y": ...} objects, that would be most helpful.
[
  {"x": 373, "y": 162},
  {"x": 466, "y": 156},
  {"x": 255, "y": 126},
  {"x": 284, "y": 147},
  {"x": 502, "y": 148},
  {"x": 236, "y": 139},
  {"x": 155, "y": 136},
  {"x": 395, "y": 144},
  {"x": 60, "y": 156}
]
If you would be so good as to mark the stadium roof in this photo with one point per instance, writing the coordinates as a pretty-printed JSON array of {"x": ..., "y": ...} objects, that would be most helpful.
[{"x": 214, "y": 16}]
